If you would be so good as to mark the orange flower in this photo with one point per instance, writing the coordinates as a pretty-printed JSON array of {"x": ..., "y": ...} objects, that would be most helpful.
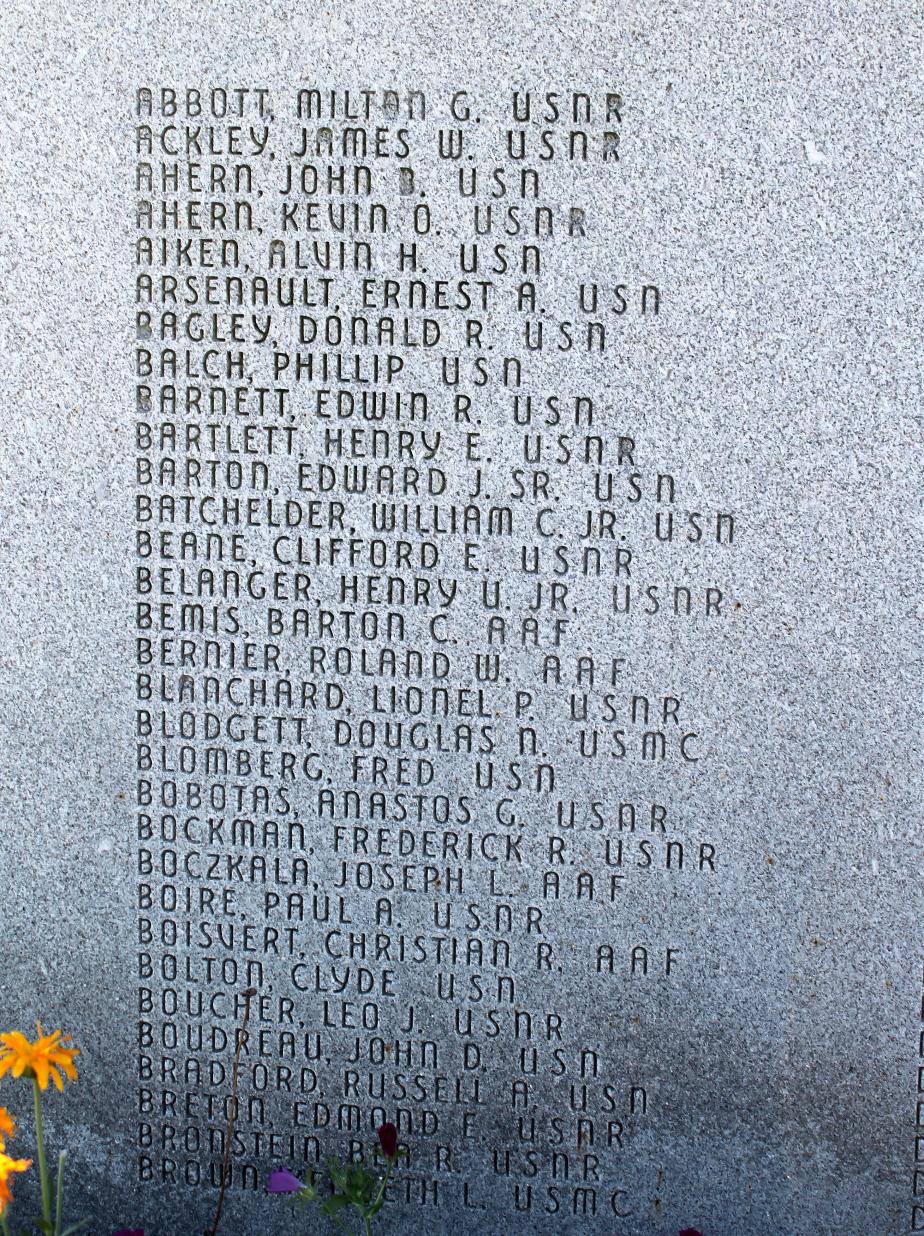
[
  {"x": 7, "y": 1167},
  {"x": 7, "y": 1126},
  {"x": 42, "y": 1059}
]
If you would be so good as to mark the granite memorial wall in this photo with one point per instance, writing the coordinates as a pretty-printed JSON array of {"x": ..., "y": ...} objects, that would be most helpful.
[{"x": 461, "y": 537}]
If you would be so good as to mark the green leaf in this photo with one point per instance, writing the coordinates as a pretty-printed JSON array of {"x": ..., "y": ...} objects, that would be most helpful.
[
  {"x": 336, "y": 1172},
  {"x": 368, "y": 1182},
  {"x": 76, "y": 1227},
  {"x": 334, "y": 1203}
]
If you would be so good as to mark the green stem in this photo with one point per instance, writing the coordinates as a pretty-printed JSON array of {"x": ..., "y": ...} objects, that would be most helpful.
[
  {"x": 40, "y": 1150},
  {"x": 59, "y": 1199},
  {"x": 4, "y": 1225},
  {"x": 383, "y": 1184},
  {"x": 367, "y": 1225}
]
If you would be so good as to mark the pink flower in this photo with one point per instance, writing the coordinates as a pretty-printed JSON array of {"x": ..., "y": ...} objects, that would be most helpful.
[
  {"x": 388, "y": 1140},
  {"x": 282, "y": 1181}
]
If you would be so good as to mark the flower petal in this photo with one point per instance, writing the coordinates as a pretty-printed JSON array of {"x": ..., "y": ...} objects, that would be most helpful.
[
  {"x": 388, "y": 1139},
  {"x": 283, "y": 1181}
]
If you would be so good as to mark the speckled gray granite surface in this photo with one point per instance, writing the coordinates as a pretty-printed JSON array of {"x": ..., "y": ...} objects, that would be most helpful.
[{"x": 609, "y": 983}]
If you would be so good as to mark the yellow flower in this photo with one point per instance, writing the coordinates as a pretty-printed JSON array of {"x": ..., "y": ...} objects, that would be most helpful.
[
  {"x": 41, "y": 1059},
  {"x": 7, "y": 1126},
  {"x": 7, "y": 1167}
]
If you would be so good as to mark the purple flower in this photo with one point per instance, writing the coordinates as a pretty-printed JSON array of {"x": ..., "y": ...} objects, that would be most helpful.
[
  {"x": 283, "y": 1181},
  {"x": 129, "y": 1231},
  {"x": 689, "y": 1231},
  {"x": 388, "y": 1139}
]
